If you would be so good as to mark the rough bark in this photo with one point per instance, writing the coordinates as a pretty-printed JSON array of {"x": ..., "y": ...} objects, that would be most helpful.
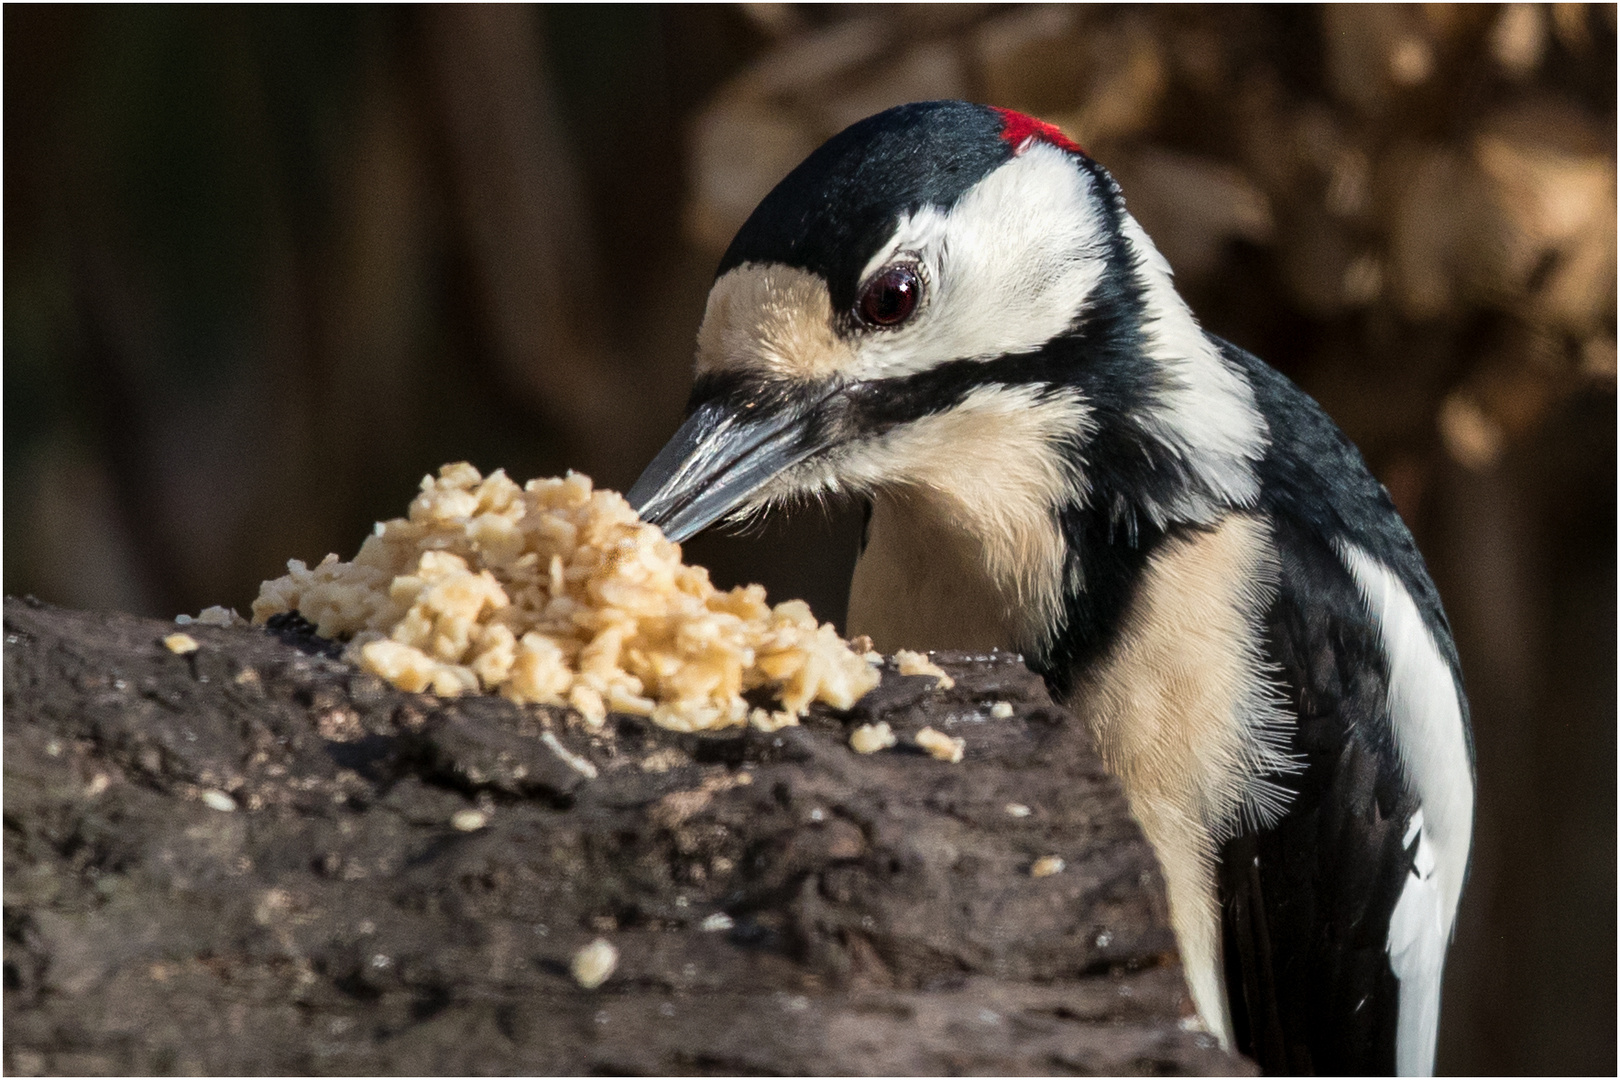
[{"x": 882, "y": 913}]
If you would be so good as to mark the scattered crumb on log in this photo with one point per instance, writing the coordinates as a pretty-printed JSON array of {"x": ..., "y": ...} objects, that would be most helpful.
[{"x": 831, "y": 913}]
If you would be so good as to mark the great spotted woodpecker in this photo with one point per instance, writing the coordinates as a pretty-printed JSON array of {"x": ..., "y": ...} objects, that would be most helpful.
[{"x": 947, "y": 312}]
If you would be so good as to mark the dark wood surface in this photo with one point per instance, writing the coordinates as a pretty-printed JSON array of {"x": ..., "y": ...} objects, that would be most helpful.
[{"x": 883, "y": 917}]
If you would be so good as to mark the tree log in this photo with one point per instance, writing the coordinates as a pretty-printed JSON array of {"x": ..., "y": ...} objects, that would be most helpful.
[{"x": 255, "y": 858}]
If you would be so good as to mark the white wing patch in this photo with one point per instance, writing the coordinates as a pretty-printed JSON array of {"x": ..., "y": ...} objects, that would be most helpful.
[
  {"x": 1418, "y": 931},
  {"x": 1425, "y": 715}
]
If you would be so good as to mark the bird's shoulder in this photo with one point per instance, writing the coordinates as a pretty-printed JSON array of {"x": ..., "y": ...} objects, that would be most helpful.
[
  {"x": 1316, "y": 485},
  {"x": 1308, "y": 900}
]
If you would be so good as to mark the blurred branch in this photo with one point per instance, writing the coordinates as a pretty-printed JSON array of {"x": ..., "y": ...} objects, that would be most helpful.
[
  {"x": 518, "y": 195},
  {"x": 117, "y": 419}
]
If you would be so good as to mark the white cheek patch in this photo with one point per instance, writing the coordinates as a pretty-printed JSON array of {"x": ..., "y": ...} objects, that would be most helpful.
[
  {"x": 1014, "y": 264},
  {"x": 1008, "y": 267}
]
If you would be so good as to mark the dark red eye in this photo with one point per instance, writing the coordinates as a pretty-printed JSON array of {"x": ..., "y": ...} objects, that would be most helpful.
[{"x": 891, "y": 297}]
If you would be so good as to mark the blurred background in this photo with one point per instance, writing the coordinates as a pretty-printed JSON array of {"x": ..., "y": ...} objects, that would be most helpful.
[{"x": 266, "y": 266}]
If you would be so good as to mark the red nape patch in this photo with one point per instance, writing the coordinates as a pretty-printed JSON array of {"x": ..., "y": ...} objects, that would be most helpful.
[{"x": 1017, "y": 130}]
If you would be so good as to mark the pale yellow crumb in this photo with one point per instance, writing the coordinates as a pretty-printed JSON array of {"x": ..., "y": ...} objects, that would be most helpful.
[
  {"x": 870, "y": 738},
  {"x": 1018, "y": 809},
  {"x": 915, "y": 663},
  {"x": 468, "y": 820},
  {"x": 941, "y": 745},
  {"x": 1046, "y": 866},
  {"x": 218, "y": 800},
  {"x": 583, "y": 766},
  {"x": 219, "y": 616},
  {"x": 1001, "y": 710},
  {"x": 180, "y": 644},
  {"x": 664, "y": 760},
  {"x": 760, "y": 720},
  {"x": 594, "y": 963}
]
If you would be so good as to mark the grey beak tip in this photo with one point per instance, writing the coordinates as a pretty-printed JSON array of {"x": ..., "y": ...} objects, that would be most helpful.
[
  {"x": 680, "y": 535},
  {"x": 713, "y": 464},
  {"x": 639, "y": 495}
]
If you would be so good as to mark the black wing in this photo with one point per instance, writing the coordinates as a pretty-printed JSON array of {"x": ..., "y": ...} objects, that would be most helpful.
[{"x": 1307, "y": 902}]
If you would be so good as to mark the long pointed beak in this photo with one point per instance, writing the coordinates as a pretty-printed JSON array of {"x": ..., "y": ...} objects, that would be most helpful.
[{"x": 721, "y": 455}]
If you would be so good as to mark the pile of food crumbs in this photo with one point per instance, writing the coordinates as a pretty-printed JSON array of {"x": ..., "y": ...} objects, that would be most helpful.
[{"x": 554, "y": 593}]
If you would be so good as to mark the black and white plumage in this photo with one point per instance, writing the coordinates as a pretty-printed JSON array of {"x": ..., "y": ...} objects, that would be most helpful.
[{"x": 947, "y": 312}]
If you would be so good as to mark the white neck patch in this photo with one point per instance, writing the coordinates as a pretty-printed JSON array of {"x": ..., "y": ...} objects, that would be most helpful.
[{"x": 1207, "y": 414}]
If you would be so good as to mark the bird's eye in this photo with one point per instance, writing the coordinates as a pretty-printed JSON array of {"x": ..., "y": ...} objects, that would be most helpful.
[{"x": 891, "y": 297}]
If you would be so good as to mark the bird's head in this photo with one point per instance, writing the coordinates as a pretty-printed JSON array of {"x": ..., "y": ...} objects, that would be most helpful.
[{"x": 950, "y": 300}]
